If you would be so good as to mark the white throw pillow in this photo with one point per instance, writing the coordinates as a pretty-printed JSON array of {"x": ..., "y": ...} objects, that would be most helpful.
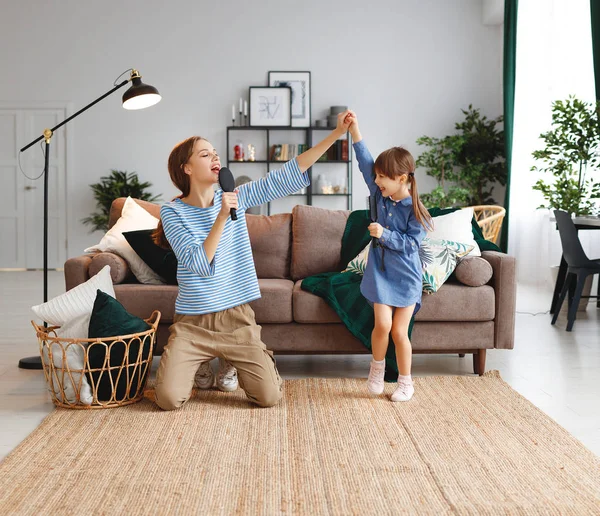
[
  {"x": 74, "y": 354},
  {"x": 455, "y": 227},
  {"x": 76, "y": 302},
  {"x": 133, "y": 217}
]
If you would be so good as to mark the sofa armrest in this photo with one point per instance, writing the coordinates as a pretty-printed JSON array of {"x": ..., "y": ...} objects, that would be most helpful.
[
  {"x": 77, "y": 270},
  {"x": 504, "y": 281},
  {"x": 80, "y": 269}
]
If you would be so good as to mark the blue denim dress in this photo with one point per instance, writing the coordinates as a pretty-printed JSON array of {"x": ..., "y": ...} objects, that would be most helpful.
[{"x": 400, "y": 283}]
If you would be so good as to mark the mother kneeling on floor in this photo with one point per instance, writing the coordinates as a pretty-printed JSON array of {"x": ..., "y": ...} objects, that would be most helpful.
[{"x": 216, "y": 273}]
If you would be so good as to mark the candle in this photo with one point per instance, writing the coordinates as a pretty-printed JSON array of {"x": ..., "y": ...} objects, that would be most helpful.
[
  {"x": 245, "y": 108},
  {"x": 240, "y": 104},
  {"x": 233, "y": 112}
]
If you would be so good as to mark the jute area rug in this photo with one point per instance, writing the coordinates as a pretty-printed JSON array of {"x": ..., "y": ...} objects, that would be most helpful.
[{"x": 463, "y": 445}]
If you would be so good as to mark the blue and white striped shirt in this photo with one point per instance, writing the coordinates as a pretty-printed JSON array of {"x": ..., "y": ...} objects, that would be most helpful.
[{"x": 230, "y": 279}]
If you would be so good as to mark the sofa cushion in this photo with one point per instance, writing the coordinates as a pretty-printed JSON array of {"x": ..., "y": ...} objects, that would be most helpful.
[
  {"x": 316, "y": 240},
  {"x": 275, "y": 305},
  {"x": 311, "y": 309},
  {"x": 453, "y": 302},
  {"x": 142, "y": 300},
  {"x": 271, "y": 242},
  {"x": 473, "y": 271}
]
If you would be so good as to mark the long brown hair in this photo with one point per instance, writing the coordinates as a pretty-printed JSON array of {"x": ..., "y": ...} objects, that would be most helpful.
[
  {"x": 396, "y": 162},
  {"x": 180, "y": 155}
]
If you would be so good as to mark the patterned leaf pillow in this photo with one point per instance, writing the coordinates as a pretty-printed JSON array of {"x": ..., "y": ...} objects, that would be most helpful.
[{"x": 438, "y": 257}]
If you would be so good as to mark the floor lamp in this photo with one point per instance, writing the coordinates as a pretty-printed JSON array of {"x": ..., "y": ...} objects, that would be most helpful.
[{"x": 138, "y": 96}]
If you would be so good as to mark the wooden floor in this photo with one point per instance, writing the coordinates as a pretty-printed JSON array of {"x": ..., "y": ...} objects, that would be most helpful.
[{"x": 557, "y": 371}]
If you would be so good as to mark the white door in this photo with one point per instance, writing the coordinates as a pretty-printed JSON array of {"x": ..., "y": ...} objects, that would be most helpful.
[{"x": 22, "y": 192}]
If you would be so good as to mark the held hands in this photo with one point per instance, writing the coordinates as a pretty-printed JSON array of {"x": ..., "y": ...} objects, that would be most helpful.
[
  {"x": 229, "y": 200},
  {"x": 375, "y": 230},
  {"x": 353, "y": 128},
  {"x": 343, "y": 123}
]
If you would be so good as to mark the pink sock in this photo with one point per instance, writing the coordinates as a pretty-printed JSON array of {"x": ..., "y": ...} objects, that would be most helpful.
[{"x": 405, "y": 379}]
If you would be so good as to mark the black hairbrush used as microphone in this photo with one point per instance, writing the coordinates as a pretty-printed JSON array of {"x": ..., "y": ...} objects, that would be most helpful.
[
  {"x": 227, "y": 184},
  {"x": 372, "y": 207}
]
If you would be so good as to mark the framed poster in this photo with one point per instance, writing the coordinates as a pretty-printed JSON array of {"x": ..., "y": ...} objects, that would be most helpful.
[
  {"x": 270, "y": 106},
  {"x": 299, "y": 82}
]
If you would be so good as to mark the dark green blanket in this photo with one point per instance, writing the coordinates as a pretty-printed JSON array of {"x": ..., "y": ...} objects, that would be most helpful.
[{"x": 341, "y": 290}]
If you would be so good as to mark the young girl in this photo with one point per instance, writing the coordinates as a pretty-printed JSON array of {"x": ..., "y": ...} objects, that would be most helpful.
[
  {"x": 216, "y": 273},
  {"x": 392, "y": 282}
]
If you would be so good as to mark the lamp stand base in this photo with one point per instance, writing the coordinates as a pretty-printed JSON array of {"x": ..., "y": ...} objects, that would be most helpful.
[{"x": 31, "y": 363}]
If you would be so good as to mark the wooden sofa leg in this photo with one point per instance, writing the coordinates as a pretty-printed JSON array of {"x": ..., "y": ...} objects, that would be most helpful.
[{"x": 479, "y": 362}]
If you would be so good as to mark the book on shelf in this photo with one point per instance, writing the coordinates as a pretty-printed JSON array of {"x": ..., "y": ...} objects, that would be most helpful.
[
  {"x": 286, "y": 151},
  {"x": 344, "y": 151}
]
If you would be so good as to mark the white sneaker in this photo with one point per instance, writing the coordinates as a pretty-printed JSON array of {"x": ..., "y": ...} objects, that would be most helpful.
[
  {"x": 205, "y": 378},
  {"x": 404, "y": 391},
  {"x": 227, "y": 379},
  {"x": 375, "y": 381}
]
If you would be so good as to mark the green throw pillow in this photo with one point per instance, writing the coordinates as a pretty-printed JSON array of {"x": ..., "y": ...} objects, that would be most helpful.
[{"x": 110, "y": 319}]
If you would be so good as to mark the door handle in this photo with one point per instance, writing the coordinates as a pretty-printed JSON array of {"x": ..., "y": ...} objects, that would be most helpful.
[{"x": 30, "y": 187}]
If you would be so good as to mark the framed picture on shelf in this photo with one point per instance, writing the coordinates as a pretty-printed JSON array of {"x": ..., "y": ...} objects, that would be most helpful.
[
  {"x": 299, "y": 82},
  {"x": 270, "y": 106}
]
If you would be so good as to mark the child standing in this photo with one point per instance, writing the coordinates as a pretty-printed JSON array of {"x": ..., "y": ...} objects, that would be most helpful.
[
  {"x": 392, "y": 282},
  {"x": 216, "y": 275}
]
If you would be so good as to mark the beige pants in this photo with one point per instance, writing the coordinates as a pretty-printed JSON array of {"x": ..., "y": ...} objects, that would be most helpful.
[{"x": 232, "y": 335}]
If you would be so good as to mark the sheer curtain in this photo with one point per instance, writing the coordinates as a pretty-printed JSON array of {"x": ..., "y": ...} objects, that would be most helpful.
[{"x": 554, "y": 60}]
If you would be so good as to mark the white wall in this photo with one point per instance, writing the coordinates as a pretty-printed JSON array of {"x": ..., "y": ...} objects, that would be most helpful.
[{"x": 407, "y": 68}]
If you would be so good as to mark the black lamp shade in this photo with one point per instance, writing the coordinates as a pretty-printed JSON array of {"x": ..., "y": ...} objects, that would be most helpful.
[{"x": 140, "y": 95}]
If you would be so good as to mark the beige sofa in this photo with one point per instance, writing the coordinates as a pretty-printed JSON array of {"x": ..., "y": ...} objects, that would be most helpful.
[{"x": 292, "y": 246}]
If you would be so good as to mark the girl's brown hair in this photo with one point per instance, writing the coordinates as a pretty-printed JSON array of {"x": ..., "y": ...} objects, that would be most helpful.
[
  {"x": 396, "y": 162},
  {"x": 180, "y": 155}
]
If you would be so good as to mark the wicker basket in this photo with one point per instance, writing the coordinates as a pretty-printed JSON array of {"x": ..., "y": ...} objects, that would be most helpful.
[
  {"x": 74, "y": 384},
  {"x": 490, "y": 219}
]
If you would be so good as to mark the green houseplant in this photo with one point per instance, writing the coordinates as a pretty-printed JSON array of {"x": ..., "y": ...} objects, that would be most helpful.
[
  {"x": 466, "y": 165},
  {"x": 117, "y": 184},
  {"x": 571, "y": 156}
]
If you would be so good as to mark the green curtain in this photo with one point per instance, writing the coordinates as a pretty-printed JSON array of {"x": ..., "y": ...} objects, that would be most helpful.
[
  {"x": 595, "y": 12},
  {"x": 510, "y": 61}
]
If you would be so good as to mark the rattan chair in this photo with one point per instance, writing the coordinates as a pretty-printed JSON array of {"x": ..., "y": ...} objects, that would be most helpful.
[{"x": 489, "y": 218}]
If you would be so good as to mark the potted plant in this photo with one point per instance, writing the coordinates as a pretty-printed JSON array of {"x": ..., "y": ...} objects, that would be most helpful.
[
  {"x": 440, "y": 162},
  {"x": 117, "y": 184},
  {"x": 466, "y": 165},
  {"x": 570, "y": 157}
]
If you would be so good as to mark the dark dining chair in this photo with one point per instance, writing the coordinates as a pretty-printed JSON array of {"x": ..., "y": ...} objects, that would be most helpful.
[{"x": 579, "y": 267}]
